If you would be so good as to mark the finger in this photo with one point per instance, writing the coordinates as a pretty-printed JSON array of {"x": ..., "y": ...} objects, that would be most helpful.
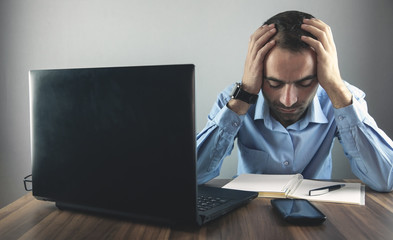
[
  {"x": 319, "y": 29},
  {"x": 257, "y": 64},
  {"x": 319, "y": 34},
  {"x": 261, "y": 54},
  {"x": 315, "y": 22},
  {"x": 261, "y": 31},
  {"x": 314, "y": 44},
  {"x": 263, "y": 39},
  {"x": 319, "y": 24},
  {"x": 259, "y": 40}
]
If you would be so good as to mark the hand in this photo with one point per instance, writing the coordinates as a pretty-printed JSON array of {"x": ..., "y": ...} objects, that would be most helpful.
[
  {"x": 257, "y": 50},
  {"x": 328, "y": 72},
  {"x": 258, "y": 47}
]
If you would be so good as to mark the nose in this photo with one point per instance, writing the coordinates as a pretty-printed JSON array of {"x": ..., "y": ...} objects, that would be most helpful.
[{"x": 289, "y": 95}]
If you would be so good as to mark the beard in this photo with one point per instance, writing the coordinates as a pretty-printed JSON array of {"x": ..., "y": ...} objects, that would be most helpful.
[{"x": 287, "y": 115}]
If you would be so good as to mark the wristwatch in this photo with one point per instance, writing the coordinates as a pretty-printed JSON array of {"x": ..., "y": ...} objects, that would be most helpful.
[{"x": 239, "y": 93}]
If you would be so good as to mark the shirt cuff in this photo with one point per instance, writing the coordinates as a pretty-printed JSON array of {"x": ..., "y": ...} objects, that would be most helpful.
[
  {"x": 351, "y": 115},
  {"x": 229, "y": 120}
]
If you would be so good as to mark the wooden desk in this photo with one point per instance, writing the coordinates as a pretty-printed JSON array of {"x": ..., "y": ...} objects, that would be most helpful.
[{"x": 28, "y": 218}]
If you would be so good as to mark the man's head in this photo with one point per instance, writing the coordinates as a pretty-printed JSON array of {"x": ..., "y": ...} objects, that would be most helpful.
[
  {"x": 290, "y": 70},
  {"x": 289, "y": 30}
]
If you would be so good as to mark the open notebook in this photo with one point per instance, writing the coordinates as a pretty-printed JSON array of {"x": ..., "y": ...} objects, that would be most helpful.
[{"x": 294, "y": 186}]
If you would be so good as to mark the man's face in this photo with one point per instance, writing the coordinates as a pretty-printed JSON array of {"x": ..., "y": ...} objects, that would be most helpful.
[{"x": 290, "y": 83}]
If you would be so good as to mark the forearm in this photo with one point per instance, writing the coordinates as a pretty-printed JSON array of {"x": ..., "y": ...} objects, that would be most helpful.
[
  {"x": 368, "y": 148},
  {"x": 211, "y": 152},
  {"x": 339, "y": 94},
  {"x": 216, "y": 140},
  {"x": 238, "y": 106}
]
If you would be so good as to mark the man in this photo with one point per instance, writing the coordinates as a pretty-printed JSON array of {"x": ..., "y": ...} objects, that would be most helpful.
[{"x": 290, "y": 106}]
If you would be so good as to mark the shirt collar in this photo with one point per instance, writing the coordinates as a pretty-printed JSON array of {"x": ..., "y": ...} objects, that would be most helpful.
[{"x": 314, "y": 115}]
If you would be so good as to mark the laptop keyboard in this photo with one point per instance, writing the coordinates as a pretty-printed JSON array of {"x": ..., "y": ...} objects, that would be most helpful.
[{"x": 205, "y": 203}]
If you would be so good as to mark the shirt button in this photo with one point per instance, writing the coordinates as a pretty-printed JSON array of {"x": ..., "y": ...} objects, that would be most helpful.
[
  {"x": 286, "y": 163},
  {"x": 235, "y": 124},
  {"x": 341, "y": 118}
]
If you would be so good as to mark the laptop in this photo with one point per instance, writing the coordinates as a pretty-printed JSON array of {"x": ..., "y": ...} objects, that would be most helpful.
[{"x": 120, "y": 141}]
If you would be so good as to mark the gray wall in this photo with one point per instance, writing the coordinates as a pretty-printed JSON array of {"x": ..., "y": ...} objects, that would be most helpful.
[{"x": 39, "y": 34}]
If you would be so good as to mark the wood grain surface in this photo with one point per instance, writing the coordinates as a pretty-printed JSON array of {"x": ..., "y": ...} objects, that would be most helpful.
[{"x": 28, "y": 218}]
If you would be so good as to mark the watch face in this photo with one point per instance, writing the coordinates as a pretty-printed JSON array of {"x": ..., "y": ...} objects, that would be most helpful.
[
  {"x": 239, "y": 93},
  {"x": 235, "y": 91}
]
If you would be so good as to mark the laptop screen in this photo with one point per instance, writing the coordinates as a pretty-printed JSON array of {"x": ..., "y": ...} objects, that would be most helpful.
[{"x": 120, "y": 139}]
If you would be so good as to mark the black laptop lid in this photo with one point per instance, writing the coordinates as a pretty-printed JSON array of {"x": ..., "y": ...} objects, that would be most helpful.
[{"x": 120, "y": 140}]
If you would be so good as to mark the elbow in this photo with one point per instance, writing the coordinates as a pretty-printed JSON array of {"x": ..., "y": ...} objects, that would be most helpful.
[
  {"x": 378, "y": 179},
  {"x": 385, "y": 189},
  {"x": 206, "y": 176},
  {"x": 383, "y": 186},
  {"x": 388, "y": 187}
]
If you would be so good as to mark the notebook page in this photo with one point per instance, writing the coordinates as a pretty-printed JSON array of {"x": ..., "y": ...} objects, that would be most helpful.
[
  {"x": 261, "y": 182},
  {"x": 352, "y": 193}
]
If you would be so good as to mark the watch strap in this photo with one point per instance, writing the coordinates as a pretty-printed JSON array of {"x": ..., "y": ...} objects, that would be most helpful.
[{"x": 239, "y": 93}]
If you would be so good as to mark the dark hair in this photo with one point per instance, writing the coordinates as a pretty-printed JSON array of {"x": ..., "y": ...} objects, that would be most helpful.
[{"x": 288, "y": 25}]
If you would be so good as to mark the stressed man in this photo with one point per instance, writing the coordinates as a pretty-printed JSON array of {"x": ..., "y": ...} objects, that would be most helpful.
[{"x": 289, "y": 107}]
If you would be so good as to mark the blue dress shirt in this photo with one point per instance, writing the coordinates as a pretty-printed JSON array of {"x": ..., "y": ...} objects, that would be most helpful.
[{"x": 265, "y": 146}]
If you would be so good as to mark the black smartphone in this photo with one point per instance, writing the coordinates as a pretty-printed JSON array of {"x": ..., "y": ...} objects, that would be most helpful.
[{"x": 298, "y": 211}]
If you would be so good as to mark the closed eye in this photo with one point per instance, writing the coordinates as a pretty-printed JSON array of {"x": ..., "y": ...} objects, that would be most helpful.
[
  {"x": 275, "y": 84},
  {"x": 305, "y": 83}
]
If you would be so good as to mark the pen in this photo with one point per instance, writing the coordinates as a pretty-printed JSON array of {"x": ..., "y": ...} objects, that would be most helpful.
[{"x": 323, "y": 190}]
